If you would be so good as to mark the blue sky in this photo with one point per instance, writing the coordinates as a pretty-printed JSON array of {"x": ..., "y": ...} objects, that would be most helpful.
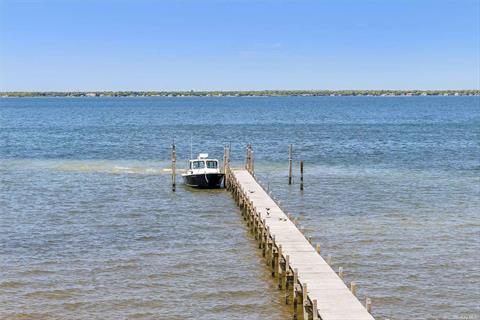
[{"x": 239, "y": 44}]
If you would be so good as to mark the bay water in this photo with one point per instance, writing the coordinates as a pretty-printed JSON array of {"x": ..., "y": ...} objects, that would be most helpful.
[{"x": 89, "y": 227}]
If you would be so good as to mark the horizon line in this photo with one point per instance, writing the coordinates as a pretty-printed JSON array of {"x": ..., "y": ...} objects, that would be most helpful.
[{"x": 232, "y": 90}]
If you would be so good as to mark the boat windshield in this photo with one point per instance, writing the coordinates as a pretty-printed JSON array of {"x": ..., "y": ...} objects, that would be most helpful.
[
  {"x": 197, "y": 164},
  {"x": 212, "y": 164}
]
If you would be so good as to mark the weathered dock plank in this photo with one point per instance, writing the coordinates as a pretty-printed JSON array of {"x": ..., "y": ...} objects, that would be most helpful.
[{"x": 306, "y": 276}]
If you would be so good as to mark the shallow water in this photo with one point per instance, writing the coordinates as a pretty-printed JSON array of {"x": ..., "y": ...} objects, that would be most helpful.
[
  {"x": 99, "y": 243},
  {"x": 90, "y": 229}
]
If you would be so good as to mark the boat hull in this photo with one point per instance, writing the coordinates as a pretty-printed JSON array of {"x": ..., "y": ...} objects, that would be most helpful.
[{"x": 204, "y": 181}]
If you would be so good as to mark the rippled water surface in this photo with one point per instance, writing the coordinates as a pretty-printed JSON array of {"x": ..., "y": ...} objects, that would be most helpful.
[{"x": 90, "y": 229}]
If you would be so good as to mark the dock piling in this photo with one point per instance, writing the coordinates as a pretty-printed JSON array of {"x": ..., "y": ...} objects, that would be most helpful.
[
  {"x": 277, "y": 262},
  {"x": 353, "y": 288},
  {"x": 174, "y": 160},
  {"x": 252, "y": 163},
  {"x": 301, "y": 175},
  {"x": 295, "y": 279},
  {"x": 284, "y": 278},
  {"x": 290, "y": 160},
  {"x": 247, "y": 157},
  {"x": 314, "y": 310},
  {"x": 304, "y": 300},
  {"x": 225, "y": 166},
  {"x": 368, "y": 305}
]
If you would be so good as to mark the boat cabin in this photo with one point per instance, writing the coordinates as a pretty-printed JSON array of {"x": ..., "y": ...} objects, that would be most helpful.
[{"x": 203, "y": 165}]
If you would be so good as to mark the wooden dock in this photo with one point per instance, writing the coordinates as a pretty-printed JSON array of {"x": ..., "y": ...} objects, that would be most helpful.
[{"x": 311, "y": 285}]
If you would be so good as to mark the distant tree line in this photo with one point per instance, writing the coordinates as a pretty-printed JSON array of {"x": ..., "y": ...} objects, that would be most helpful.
[{"x": 268, "y": 93}]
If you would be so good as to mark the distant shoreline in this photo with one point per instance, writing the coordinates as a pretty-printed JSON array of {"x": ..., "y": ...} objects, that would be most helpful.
[{"x": 264, "y": 93}]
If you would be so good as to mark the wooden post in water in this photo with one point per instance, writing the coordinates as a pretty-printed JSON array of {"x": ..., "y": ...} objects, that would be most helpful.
[
  {"x": 271, "y": 256},
  {"x": 301, "y": 175},
  {"x": 247, "y": 154},
  {"x": 278, "y": 261},
  {"x": 340, "y": 272},
  {"x": 314, "y": 310},
  {"x": 290, "y": 150},
  {"x": 368, "y": 305},
  {"x": 248, "y": 157},
  {"x": 251, "y": 162},
  {"x": 249, "y": 169},
  {"x": 174, "y": 160},
  {"x": 284, "y": 278},
  {"x": 224, "y": 161},
  {"x": 353, "y": 288},
  {"x": 294, "y": 285},
  {"x": 225, "y": 166},
  {"x": 226, "y": 183},
  {"x": 228, "y": 167},
  {"x": 304, "y": 300}
]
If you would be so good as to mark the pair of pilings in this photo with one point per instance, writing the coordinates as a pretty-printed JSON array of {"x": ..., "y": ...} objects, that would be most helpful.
[
  {"x": 290, "y": 163},
  {"x": 249, "y": 163},
  {"x": 286, "y": 277}
]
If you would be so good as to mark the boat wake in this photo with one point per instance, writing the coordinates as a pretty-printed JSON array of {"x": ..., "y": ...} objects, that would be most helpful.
[{"x": 93, "y": 166}]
